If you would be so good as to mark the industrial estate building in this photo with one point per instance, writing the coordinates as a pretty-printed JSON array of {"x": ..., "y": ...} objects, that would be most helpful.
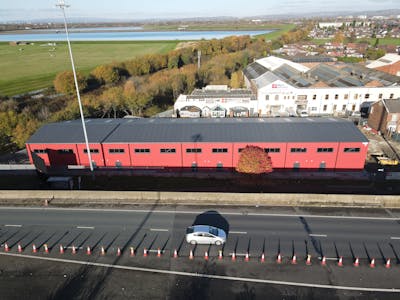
[
  {"x": 299, "y": 143},
  {"x": 283, "y": 88}
]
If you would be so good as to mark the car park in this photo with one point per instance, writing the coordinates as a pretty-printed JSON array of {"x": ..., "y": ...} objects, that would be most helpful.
[{"x": 205, "y": 234}]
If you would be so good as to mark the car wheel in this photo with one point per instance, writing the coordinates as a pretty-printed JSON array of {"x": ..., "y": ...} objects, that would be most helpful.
[
  {"x": 218, "y": 243},
  {"x": 193, "y": 242}
]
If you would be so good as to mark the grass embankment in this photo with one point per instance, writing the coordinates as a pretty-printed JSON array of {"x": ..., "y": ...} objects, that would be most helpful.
[{"x": 31, "y": 67}]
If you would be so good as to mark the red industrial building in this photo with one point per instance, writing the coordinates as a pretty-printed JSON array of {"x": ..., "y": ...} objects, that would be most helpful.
[{"x": 299, "y": 143}]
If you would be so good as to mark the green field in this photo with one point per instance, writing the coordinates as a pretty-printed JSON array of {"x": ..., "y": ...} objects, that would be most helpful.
[
  {"x": 280, "y": 29},
  {"x": 30, "y": 67}
]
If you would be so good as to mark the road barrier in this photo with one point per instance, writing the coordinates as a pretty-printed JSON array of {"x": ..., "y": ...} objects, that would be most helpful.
[
  {"x": 372, "y": 263},
  {"x": 76, "y": 197},
  {"x": 308, "y": 260},
  {"x": 356, "y": 262},
  {"x": 294, "y": 260},
  {"x": 279, "y": 258},
  {"x": 340, "y": 262}
]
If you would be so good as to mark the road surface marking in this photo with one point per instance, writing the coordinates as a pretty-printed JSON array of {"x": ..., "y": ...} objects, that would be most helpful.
[
  {"x": 395, "y": 238},
  {"x": 158, "y": 229},
  {"x": 201, "y": 211},
  {"x": 85, "y": 227},
  {"x": 238, "y": 232},
  {"x": 202, "y": 275},
  {"x": 12, "y": 225},
  {"x": 317, "y": 235}
]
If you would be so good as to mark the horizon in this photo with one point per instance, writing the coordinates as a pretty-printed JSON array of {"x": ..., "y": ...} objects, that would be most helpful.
[{"x": 20, "y": 11}]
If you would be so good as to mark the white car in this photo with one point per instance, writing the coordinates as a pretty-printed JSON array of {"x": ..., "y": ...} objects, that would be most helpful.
[{"x": 205, "y": 234}]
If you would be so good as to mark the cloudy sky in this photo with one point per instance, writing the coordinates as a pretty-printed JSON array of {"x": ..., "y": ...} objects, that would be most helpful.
[{"x": 11, "y": 10}]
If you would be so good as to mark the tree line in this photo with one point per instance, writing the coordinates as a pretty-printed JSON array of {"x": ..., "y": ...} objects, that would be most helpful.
[{"x": 141, "y": 87}]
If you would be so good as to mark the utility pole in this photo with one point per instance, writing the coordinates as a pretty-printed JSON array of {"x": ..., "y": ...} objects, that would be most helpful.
[
  {"x": 198, "y": 59},
  {"x": 61, "y": 4}
]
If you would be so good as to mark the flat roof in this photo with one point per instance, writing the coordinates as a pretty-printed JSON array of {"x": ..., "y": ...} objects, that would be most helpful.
[{"x": 201, "y": 130}]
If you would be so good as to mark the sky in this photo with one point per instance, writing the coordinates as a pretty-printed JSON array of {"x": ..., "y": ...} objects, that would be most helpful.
[{"x": 26, "y": 10}]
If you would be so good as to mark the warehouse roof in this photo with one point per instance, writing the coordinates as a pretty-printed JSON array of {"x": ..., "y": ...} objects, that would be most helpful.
[
  {"x": 348, "y": 75},
  {"x": 202, "y": 130}
]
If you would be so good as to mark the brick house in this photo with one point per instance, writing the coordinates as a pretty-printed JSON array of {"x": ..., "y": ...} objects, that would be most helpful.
[{"x": 385, "y": 116}]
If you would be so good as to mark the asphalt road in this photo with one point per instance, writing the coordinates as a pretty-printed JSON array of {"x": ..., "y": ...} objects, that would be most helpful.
[{"x": 253, "y": 232}]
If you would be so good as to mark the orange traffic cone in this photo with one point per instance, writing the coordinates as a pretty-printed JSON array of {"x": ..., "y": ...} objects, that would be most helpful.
[
  {"x": 308, "y": 260},
  {"x": 219, "y": 254},
  {"x": 73, "y": 249},
  {"x": 158, "y": 252},
  {"x": 6, "y": 247},
  {"x": 34, "y": 250},
  {"x": 233, "y": 256},
  {"x": 175, "y": 253},
  {"x": 88, "y": 250},
  {"x": 356, "y": 262},
  {"x": 61, "y": 249},
  {"x": 145, "y": 252},
  {"x": 46, "y": 248},
  {"x": 19, "y": 248},
  {"x": 191, "y": 254},
  {"x": 262, "y": 257},
  {"x": 118, "y": 251},
  {"x": 206, "y": 255},
  {"x": 132, "y": 251},
  {"x": 279, "y": 258},
  {"x": 340, "y": 262},
  {"x": 323, "y": 261},
  {"x": 102, "y": 251},
  {"x": 247, "y": 258},
  {"x": 387, "y": 264},
  {"x": 294, "y": 260},
  {"x": 372, "y": 263}
]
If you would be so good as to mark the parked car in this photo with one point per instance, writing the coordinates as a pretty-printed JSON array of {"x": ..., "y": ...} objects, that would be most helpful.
[{"x": 205, "y": 234}]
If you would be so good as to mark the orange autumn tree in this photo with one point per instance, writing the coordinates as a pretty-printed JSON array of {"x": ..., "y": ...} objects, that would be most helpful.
[{"x": 254, "y": 160}]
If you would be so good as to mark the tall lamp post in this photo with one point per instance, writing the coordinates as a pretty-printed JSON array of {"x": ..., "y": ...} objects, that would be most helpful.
[{"x": 61, "y": 4}]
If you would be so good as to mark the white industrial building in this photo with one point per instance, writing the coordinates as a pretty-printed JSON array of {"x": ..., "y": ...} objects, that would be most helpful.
[{"x": 280, "y": 87}]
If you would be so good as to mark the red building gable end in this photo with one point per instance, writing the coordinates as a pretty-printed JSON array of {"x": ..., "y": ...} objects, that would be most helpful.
[{"x": 309, "y": 143}]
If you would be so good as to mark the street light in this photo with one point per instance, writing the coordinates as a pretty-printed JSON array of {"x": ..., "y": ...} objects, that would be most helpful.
[{"x": 61, "y": 4}]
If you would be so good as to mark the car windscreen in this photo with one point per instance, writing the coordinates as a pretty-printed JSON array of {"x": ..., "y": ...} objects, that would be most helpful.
[
  {"x": 189, "y": 230},
  {"x": 214, "y": 231}
]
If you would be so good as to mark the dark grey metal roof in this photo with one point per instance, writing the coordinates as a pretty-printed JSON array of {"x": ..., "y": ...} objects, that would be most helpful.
[
  {"x": 72, "y": 132},
  {"x": 202, "y": 130}
]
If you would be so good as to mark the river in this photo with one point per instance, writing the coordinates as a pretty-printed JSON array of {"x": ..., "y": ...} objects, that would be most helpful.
[{"x": 122, "y": 35}]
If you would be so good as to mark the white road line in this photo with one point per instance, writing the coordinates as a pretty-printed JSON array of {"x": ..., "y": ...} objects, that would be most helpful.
[
  {"x": 202, "y": 211},
  {"x": 238, "y": 232},
  {"x": 85, "y": 227},
  {"x": 158, "y": 229},
  {"x": 317, "y": 235},
  {"x": 201, "y": 275},
  {"x": 12, "y": 225},
  {"x": 395, "y": 238}
]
